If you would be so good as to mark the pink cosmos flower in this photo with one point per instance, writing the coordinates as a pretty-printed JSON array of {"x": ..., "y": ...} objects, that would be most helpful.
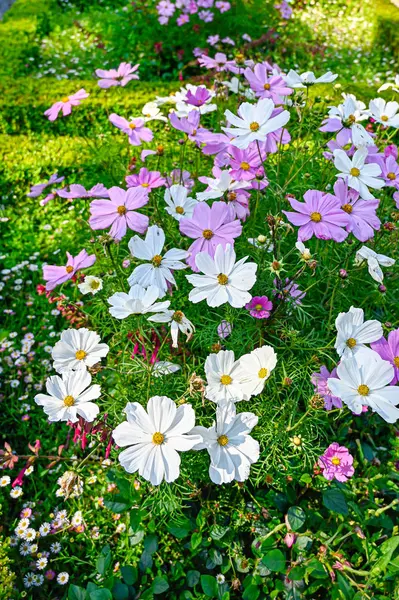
[
  {"x": 54, "y": 275},
  {"x": 362, "y": 214},
  {"x": 396, "y": 198},
  {"x": 119, "y": 212},
  {"x": 390, "y": 172},
  {"x": 210, "y": 226},
  {"x": 244, "y": 163},
  {"x": 38, "y": 189},
  {"x": 223, "y": 6},
  {"x": 189, "y": 124},
  {"x": 389, "y": 350},
  {"x": 266, "y": 86},
  {"x": 65, "y": 105},
  {"x": 290, "y": 292},
  {"x": 336, "y": 463},
  {"x": 145, "y": 179},
  {"x": 320, "y": 215},
  {"x": 78, "y": 191},
  {"x": 182, "y": 20},
  {"x": 182, "y": 178},
  {"x": 219, "y": 63},
  {"x": 120, "y": 76},
  {"x": 319, "y": 380},
  {"x": 134, "y": 129},
  {"x": 201, "y": 96},
  {"x": 238, "y": 201},
  {"x": 259, "y": 307},
  {"x": 224, "y": 329}
]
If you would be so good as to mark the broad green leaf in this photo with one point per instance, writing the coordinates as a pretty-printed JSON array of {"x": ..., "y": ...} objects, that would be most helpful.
[
  {"x": 129, "y": 574},
  {"x": 333, "y": 499},
  {"x": 209, "y": 586},
  {"x": 76, "y": 593},
  {"x": 275, "y": 561},
  {"x": 160, "y": 585},
  {"x": 296, "y": 517}
]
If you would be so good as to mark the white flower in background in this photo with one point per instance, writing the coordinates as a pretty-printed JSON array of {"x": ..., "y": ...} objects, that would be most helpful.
[
  {"x": 164, "y": 367},
  {"x": 63, "y": 578},
  {"x": 363, "y": 380},
  {"x": 91, "y": 285},
  {"x": 223, "y": 375},
  {"x": 231, "y": 448},
  {"x": 224, "y": 280},
  {"x": 394, "y": 86},
  {"x": 219, "y": 186},
  {"x": 235, "y": 86},
  {"x": 70, "y": 397},
  {"x": 306, "y": 79},
  {"x": 262, "y": 243},
  {"x": 348, "y": 114},
  {"x": 255, "y": 368},
  {"x": 353, "y": 332},
  {"x": 359, "y": 176},
  {"x": 303, "y": 251},
  {"x": 155, "y": 437},
  {"x": 78, "y": 349},
  {"x": 5, "y": 480},
  {"x": 179, "y": 205},
  {"x": 254, "y": 122},
  {"x": 151, "y": 112},
  {"x": 159, "y": 270},
  {"x": 178, "y": 322},
  {"x": 385, "y": 113},
  {"x": 139, "y": 301},
  {"x": 374, "y": 261}
]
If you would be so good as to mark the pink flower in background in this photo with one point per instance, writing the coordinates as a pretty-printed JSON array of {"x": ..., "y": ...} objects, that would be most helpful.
[
  {"x": 319, "y": 380},
  {"x": 390, "y": 172},
  {"x": 65, "y": 105},
  {"x": 336, "y": 463},
  {"x": 396, "y": 198},
  {"x": 289, "y": 292},
  {"x": 224, "y": 329},
  {"x": 119, "y": 212},
  {"x": 265, "y": 85},
  {"x": 176, "y": 176},
  {"x": 388, "y": 349},
  {"x": 182, "y": 20},
  {"x": 244, "y": 163},
  {"x": 120, "y": 76},
  {"x": 320, "y": 215},
  {"x": 145, "y": 179},
  {"x": 188, "y": 125},
  {"x": 391, "y": 150},
  {"x": 210, "y": 226},
  {"x": 223, "y": 6},
  {"x": 38, "y": 189},
  {"x": 206, "y": 16},
  {"x": 259, "y": 307},
  {"x": 201, "y": 96},
  {"x": 134, "y": 129},
  {"x": 54, "y": 275},
  {"x": 362, "y": 214},
  {"x": 78, "y": 191},
  {"x": 219, "y": 63}
]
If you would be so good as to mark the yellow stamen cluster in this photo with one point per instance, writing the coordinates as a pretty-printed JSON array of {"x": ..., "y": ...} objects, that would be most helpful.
[
  {"x": 336, "y": 461},
  {"x": 245, "y": 166},
  {"x": 80, "y": 354},
  {"x": 69, "y": 269},
  {"x": 223, "y": 440},
  {"x": 351, "y": 342},
  {"x": 156, "y": 260},
  {"x": 158, "y": 438},
  {"x": 263, "y": 373},
  {"x": 225, "y": 380},
  {"x": 121, "y": 210},
  {"x": 69, "y": 400},
  {"x": 178, "y": 316},
  {"x": 315, "y": 216},
  {"x": 347, "y": 208},
  {"x": 132, "y": 125},
  {"x": 355, "y": 172},
  {"x": 222, "y": 279},
  {"x": 180, "y": 210},
  {"x": 207, "y": 234},
  {"x": 254, "y": 126},
  {"x": 363, "y": 390}
]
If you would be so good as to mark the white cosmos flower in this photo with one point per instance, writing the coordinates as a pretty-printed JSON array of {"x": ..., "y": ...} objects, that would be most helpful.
[
  {"x": 363, "y": 380},
  {"x": 231, "y": 448},
  {"x": 178, "y": 322},
  {"x": 254, "y": 122},
  {"x": 91, "y": 285},
  {"x": 151, "y": 112},
  {"x": 349, "y": 113},
  {"x": 78, "y": 349},
  {"x": 224, "y": 279},
  {"x": 159, "y": 270},
  {"x": 303, "y": 251},
  {"x": 219, "y": 186},
  {"x": 306, "y": 79},
  {"x": 394, "y": 85},
  {"x": 164, "y": 367},
  {"x": 223, "y": 375},
  {"x": 155, "y": 437},
  {"x": 255, "y": 368},
  {"x": 353, "y": 332},
  {"x": 374, "y": 261},
  {"x": 384, "y": 112},
  {"x": 70, "y": 397},
  {"x": 360, "y": 176},
  {"x": 139, "y": 301},
  {"x": 178, "y": 204}
]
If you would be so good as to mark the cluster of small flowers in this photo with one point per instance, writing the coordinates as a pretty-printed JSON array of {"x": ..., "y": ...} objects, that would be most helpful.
[{"x": 185, "y": 9}]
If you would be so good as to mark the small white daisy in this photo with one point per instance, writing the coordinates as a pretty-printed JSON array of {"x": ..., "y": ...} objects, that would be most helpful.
[
  {"x": 78, "y": 349},
  {"x": 91, "y": 285},
  {"x": 62, "y": 578}
]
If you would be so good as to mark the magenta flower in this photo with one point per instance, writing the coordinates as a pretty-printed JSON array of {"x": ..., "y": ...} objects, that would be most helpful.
[
  {"x": 145, "y": 179},
  {"x": 78, "y": 191},
  {"x": 290, "y": 292},
  {"x": 244, "y": 163},
  {"x": 319, "y": 380},
  {"x": 210, "y": 226},
  {"x": 259, "y": 307},
  {"x": 119, "y": 212},
  {"x": 188, "y": 125},
  {"x": 224, "y": 329},
  {"x": 134, "y": 129},
  {"x": 201, "y": 96},
  {"x": 391, "y": 150},
  {"x": 320, "y": 215},
  {"x": 336, "y": 463},
  {"x": 390, "y": 172},
  {"x": 120, "y": 76},
  {"x": 260, "y": 181},
  {"x": 266, "y": 86},
  {"x": 54, "y": 275},
  {"x": 362, "y": 214},
  {"x": 38, "y": 189},
  {"x": 389, "y": 350},
  {"x": 65, "y": 105}
]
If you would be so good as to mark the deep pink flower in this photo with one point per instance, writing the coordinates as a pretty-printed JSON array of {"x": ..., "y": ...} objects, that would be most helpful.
[
  {"x": 78, "y": 191},
  {"x": 145, "y": 179},
  {"x": 65, "y": 105},
  {"x": 336, "y": 463},
  {"x": 362, "y": 214},
  {"x": 54, "y": 275},
  {"x": 389, "y": 350},
  {"x": 189, "y": 125},
  {"x": 259, "y": 307},
  {"x": 210, "y": 226},
  {"x": 120, "y": 76},
  {"x": 391, "y": 150},
  {"x": 119, "y": 212},
  {"x": 265, "y": 85},
  {"x": 320, "y": 215},
  {"x": 244, "y": 163},
  {"x": 201, "y": 96},
  {"x": 38, "y": 189},
  {"x": 134, "y": 129},
  {"x": 319, "y": 380}
]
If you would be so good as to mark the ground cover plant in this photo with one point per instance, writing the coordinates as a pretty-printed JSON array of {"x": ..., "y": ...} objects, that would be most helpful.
[{"x": 200, "y": 336}]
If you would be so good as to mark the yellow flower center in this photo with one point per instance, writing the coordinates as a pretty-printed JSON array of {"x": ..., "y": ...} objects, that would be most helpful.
[
  {"x": 258, "y": 306},
  {"x": 336, "y": 461},
  {"x": 158, "y": 438},
  {"x": 347, "y": 208},
  {"x": 65, "y": 99},
  {"x": 95, "y": 285},
  {"x": 351, "y": 119},
  {"x": 223, "y": 440},
  {"x": 80, "y": 355},
  {"x": 391, "y": 176},
  {"x": 180, "y": 210},
  {"x": 145, "y": 185},
  {"x": 225, "y": 380},
  {"x": 207, "y": 234},
  {"x": 245, "y": 166},
  {"x": 254, "y": 126},
  {"x": 384, "y": 118},
  {"x": 266, "y": 86},
  {"x": 69, "y": 400},
  {"x": 178, "y": 316},
  {"x": 351, "y": 342},
  {"x": 396, "y": 361},
  {"x": 306, "y": 255},
  {"x": 156, "y": 260},
  {"x": 231, "y": 196},
  {"x": 121, "y": 210},
  {"x": 262, "y": 373},
  {"x": 315, "y": 216},
  {"x": 355, "y": 172},
  {"x": 222, "y": 279},
  {"x": 363, "y": 390},
  {"x": 296, "y": 440},
  {"x": 132, "y": 125},
  {"x": 69, "y": 269}
]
